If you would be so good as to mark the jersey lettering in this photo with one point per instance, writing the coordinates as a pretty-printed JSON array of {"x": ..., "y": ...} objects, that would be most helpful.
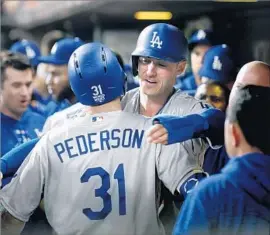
[
  {"x": 102, "y": 191},
  {"x": 104, "y": 140}
]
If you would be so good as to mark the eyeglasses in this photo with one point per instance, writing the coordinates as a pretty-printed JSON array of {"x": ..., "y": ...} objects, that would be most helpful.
[{"x": 148, "y": 60}]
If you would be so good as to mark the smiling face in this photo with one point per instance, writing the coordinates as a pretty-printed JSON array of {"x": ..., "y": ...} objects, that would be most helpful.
[
  {"x": 16, "y": 91},
  {"x": 157, "y": 77}
]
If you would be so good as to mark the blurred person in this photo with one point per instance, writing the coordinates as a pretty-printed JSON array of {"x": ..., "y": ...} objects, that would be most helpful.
[
  {"x": 218, "y": 65},
  {"x": 214, "y": 93},
  {"x": 18, "y": 123},
  {"x": 41, "y": 93},
  {"x": 101, "y": 172},
  {"x": 236, "y": 201},
  {"x": 50, "y": 38},
  {"x": 198, "y": 44},
  {"x": 57, "y": 80},
  {"x": 40, "y": 96},
  {"x": 28, "y": 48}
]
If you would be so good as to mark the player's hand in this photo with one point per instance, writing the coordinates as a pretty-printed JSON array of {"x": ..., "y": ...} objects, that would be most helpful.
[{"x": 157, "y": 134}]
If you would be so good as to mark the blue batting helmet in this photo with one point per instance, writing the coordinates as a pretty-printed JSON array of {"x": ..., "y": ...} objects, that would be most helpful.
[
  {"x": 160, "y": 41},
  {"x": 217, "y": 64},
  {"x": 95, "y": 74},
  {"x": 28, "y": 48},
  {"x": 61, "y": 51}
]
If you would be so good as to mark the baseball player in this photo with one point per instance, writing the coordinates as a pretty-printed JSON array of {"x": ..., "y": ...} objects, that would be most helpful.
[
  {"x": 237, "y": 201},
  {"x": 40, "y": 96},
  {"x": 198, "y": 44},
  {"x": 19, "y": 124},
  {"x": 99, "y": 174},
  {"x": 57, "y": 78}
]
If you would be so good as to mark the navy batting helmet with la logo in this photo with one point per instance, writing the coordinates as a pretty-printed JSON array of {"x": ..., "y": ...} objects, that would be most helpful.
[{"x": 160, "y": 41}]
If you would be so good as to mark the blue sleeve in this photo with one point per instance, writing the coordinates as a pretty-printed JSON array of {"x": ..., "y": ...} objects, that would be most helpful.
[
  {"x": 215, "y": 160},
  {"x": 215, "y": 132},
  {"x": 209, "y": 124},
  {"x": 12, "y": 160},
  {"x": 193, "y": 216}
]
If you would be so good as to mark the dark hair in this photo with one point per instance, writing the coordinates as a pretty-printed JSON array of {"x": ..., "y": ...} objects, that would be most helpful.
[
  {"x": 15, "y": 60},
  {"x": 250, "y": 108}
]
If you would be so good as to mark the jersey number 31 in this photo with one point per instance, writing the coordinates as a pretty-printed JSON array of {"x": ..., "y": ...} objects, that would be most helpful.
[{"x": 102, "y": 192}]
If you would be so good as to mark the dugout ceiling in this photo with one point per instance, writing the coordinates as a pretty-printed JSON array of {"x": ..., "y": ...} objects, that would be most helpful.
[{"x": 29, "y": 14}]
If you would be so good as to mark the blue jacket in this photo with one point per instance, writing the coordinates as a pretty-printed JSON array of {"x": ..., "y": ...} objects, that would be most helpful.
[
  {"x": 39, "y": 104},
  {"x": 215, "y": 160},
  {"x": 15, "y": 132},
  {"x": 40, "y": 99},
  {"x": 237, "y": 201},
  {"x": 54, "y": 107},
  {"x": 187, "y": 84}
]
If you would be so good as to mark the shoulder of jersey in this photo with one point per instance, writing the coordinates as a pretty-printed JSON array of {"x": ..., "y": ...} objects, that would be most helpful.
[
  {"x": 69, "y": 112},
  {"x": 130, "y": 94},
  {"x": 182, "y": 96}
]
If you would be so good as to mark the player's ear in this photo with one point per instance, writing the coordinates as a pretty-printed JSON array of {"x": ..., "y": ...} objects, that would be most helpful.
[
  {"x": 181, "y": 67},
  {"x": 236, "y": 134}
]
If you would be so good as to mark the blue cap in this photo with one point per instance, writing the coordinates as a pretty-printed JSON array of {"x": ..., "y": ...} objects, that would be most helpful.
[
  {"x": 28, "y": 48},
  {"x": 61, "y": 51},
  {"x": 217, "y": 64},
  {"x": 201, "y": 36}
]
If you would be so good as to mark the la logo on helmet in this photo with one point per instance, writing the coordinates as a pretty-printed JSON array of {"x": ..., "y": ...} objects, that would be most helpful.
[
  {"x": 156, "y": 40},
  {"x": 217, "y": 65},
  {"x": 30, "y": 52}
]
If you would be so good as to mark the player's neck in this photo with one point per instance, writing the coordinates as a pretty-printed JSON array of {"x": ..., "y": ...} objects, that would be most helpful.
[
  {"x": 150, "y": 106},
  {"x": 8, "y": 113},
  {"x": 246, "y": 149},
  {"x": 112, "y": 106}
]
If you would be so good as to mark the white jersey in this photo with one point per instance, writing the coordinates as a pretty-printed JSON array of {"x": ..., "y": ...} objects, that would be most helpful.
[
  {"x": 61, "y": 118},
  {"x": 99, "y": 177}
]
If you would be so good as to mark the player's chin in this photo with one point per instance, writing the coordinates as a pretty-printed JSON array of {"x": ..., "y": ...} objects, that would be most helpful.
[
  {"x": 151, "y": 92},
  {"x": 20, "y": 110}
]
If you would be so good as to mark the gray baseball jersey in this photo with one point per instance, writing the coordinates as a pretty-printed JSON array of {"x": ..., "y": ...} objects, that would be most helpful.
[
  {"x": 99, "y": 177},
  {"x": 62, "y": 117},
  {"x": 179, "y": 104}
]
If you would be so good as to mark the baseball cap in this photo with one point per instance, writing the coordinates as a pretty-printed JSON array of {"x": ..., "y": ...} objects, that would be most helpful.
[
  {"x": 201, "y": 36},
  {"x": 28, "y": 48},
  {"x": 217, "y": 64},
  {"x": 61, "y": 51}
]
